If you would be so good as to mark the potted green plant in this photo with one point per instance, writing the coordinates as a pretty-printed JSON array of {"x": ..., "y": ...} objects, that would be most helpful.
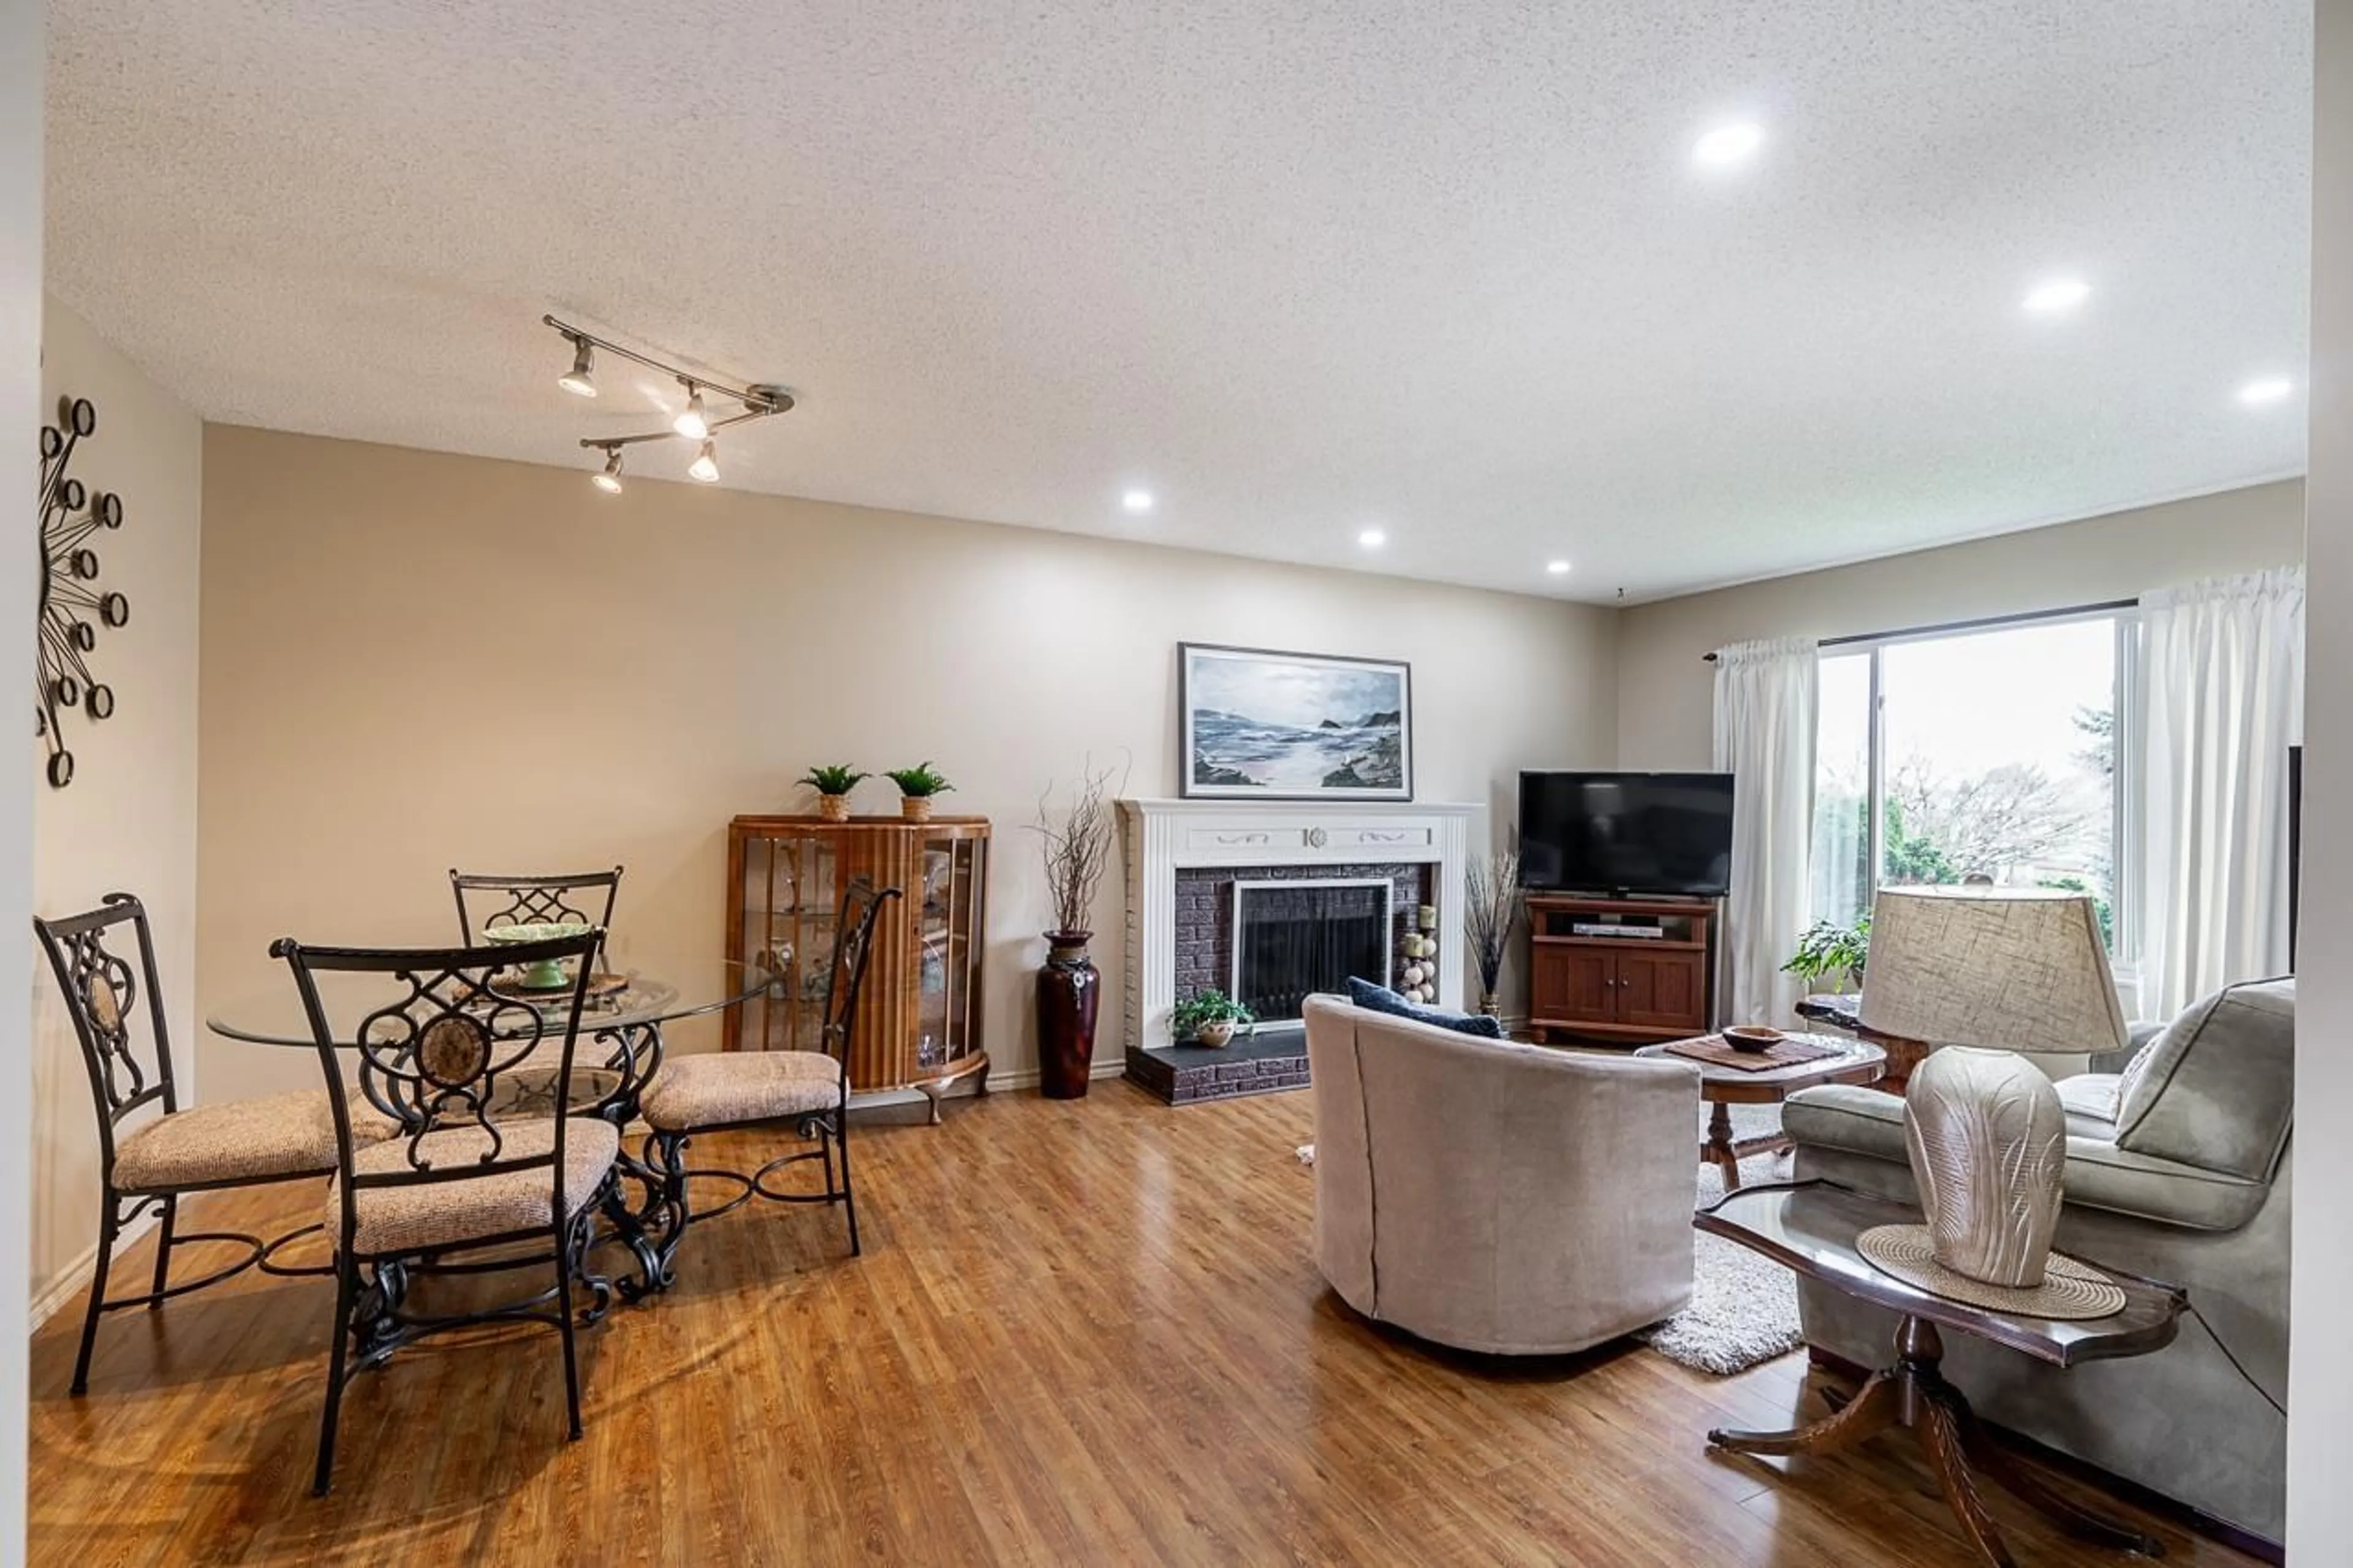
[
  {"x": 1210, "y": 1018},
  {"x": 916, "y": 787},
  {"x": 1833, "y": 954},
  {"x": 833, "y": 785}
]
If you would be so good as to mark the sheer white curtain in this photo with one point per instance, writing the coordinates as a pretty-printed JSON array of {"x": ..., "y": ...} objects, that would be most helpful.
[
  {"x": 1766, "y": 702},
  {"x": 2221, "y": 700}
]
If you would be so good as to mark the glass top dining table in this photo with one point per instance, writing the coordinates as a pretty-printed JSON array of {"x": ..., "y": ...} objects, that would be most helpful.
[{"x": 620, "y": 1032}]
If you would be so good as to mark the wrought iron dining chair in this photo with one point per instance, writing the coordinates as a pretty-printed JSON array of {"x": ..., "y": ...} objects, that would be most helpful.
[
  {"x": 716, "y": 1092},
  {"x": 453, "y": 1183},
  {"x": 496, "y": 899},
  {"x": 149, "y": 1166},
  {"x": 501, "y": 900}
]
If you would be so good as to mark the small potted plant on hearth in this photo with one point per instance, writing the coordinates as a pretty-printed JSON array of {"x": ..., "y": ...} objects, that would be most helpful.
[
  {"x": 833, "y": 785},
  {"x": 1210, "y": 1018},
  {"x": 916, "y": 787}
]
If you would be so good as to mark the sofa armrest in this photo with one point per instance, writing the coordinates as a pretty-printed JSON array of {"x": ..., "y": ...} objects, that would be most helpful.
[
  {"x": 2136, "y": 1036},
  {"x": 1848, "y": 1120}
]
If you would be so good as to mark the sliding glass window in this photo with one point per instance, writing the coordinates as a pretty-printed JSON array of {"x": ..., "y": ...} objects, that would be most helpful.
[{"x": 1987, "y": 753}]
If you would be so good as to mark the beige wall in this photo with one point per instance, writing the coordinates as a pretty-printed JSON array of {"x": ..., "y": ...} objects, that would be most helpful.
[
  {"x": 128, "y": 821},
  {"x": 1666, "y": 693},
  {"x": 415, "y": 660}
]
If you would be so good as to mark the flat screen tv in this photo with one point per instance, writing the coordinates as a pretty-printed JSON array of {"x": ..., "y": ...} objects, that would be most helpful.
[{"x": 1627, "y": 833}]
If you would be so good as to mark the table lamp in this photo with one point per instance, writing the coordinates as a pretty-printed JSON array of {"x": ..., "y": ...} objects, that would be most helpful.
[{"x": 1988, "y": 977}]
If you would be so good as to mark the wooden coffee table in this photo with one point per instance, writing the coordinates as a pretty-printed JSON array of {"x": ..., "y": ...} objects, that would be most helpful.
[
  {"x": 1857, "y": 1061},
  {"x": 1812, "y": 1227}
]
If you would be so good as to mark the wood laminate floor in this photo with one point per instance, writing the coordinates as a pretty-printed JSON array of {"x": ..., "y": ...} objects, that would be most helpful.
[{"x": 1082, "y": 1332}]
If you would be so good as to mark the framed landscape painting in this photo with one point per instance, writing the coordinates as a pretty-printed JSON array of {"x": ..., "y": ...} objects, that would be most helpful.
[{"x": 1259, "y": 725}]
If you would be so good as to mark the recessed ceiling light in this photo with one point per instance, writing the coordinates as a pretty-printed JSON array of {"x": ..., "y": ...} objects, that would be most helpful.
[
  {"x": 2058, "y": 294},
  {"x": 1557, "y": 568},
  {"x": 1727, "y": 144},
  {"x": 1372, "y": 538},
  {"x": 2269, "y": 389},
  {"x": 1137, "y": 501}
]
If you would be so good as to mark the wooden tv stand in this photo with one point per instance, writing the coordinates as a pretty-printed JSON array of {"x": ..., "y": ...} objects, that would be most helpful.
[{"x": 1626, "y": 990}]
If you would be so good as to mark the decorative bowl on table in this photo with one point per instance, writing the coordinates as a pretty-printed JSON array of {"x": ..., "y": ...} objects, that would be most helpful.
[
  {"x": 1752, "y": 1037},
  {"x": 547, "y": 974}
]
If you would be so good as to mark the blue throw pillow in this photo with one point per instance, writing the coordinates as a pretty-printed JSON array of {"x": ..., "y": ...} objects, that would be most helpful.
[{"x": 1381, "y": 999}]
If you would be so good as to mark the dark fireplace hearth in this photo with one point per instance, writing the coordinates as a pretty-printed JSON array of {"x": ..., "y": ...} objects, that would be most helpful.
[{"x": 1271, "y": 936}]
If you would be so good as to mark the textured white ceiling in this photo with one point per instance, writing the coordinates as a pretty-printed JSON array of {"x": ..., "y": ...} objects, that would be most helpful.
[{"x": 1299, "y": 268}]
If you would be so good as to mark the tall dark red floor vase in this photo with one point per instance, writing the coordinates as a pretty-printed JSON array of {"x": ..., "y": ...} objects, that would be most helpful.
[{"x": 1069, "y": 993}]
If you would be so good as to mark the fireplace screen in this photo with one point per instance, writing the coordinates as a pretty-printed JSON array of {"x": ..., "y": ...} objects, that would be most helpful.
[{"x": 1293, "y": 939}]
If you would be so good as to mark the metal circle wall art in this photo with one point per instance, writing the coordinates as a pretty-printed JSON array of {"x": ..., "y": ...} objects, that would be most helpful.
[{"x": 72, "y": 605}]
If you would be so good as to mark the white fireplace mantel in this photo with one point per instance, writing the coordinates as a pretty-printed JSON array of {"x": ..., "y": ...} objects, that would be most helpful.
[{"x": 1164, "y": 837}]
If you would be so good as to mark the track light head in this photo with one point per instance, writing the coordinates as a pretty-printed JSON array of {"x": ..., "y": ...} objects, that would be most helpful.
[
  {"x": 693, "y": 424},
  {"x": 577, "y": 381},
  {"x": 609, "y": 481},
  {"x": 706, "y": 466}
]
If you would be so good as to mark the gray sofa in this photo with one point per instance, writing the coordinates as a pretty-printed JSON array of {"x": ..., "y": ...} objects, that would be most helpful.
[
  {"x": 2177, "y": 1169},
  {"x": 1494, "y": 1196}
]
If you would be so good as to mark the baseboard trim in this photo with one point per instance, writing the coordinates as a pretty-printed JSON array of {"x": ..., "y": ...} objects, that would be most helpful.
[
  {"x": 75, "y": 1276},
  {"x": 1009, "y": 1079}
]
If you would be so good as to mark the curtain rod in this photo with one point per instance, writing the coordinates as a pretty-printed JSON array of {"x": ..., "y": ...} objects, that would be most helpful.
[{"x": 1982, "y": 622}]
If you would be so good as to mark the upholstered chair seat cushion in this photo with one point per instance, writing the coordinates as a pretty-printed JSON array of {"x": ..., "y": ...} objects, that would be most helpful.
[
  {"x": 428, "y": 1214},
  {"x": 2089, "y": 1099},
  {"x": 719, "y": 1090},
  {"x": 257, "y": 1140},
  {"x": 1844, "y": 1120}
]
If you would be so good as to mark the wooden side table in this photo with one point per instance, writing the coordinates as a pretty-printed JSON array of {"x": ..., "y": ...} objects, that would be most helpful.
[
  {"x": 1726, "y": 1087},
  {"x": 1811, "y": 1227}
]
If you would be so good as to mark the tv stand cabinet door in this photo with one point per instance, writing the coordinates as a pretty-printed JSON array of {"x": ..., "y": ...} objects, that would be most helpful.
[
  {"x": 1572, "y": 985},
  {"x": 1666, "y": 991}
]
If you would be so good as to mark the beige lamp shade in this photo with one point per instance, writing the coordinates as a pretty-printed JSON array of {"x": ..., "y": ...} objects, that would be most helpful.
[{"x": 2008, "y": 969}]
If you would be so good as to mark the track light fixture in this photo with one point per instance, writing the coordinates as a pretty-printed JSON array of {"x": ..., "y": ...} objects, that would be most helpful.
[
  {"x": 577, "y": 381},
  {"x": 760, "y": 399},
  {"x": 692, "y": 423}
]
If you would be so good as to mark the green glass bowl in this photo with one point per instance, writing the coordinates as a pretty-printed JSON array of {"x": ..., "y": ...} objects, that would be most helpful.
[{"x": 547, "y": 974}]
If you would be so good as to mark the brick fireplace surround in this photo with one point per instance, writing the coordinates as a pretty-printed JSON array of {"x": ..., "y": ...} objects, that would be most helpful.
[{"x": 1183, "y": 858}]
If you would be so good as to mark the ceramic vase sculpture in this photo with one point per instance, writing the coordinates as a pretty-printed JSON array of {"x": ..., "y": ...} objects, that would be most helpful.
[
  {"x": 1988, "y": 1142},
  {"x": 1070, "y": 993}
]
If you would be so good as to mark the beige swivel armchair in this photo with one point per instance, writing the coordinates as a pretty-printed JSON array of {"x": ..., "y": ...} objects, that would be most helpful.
[{"x": 1498, "y": 1197}]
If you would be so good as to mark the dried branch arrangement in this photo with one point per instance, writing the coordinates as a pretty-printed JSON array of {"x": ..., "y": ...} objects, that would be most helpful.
[
  {"x": 1078, "y": 845},
  {"x": 1493, "y": 889}
]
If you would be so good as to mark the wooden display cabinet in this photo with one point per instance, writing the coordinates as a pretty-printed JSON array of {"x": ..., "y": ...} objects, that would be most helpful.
[
  {"x": 1639, "y": 969},
  {"x": 919, "y": 1018}
]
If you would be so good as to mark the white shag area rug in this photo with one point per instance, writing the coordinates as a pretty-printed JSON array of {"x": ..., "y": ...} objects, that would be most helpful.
[{"x": 1744, "y": 1305}]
